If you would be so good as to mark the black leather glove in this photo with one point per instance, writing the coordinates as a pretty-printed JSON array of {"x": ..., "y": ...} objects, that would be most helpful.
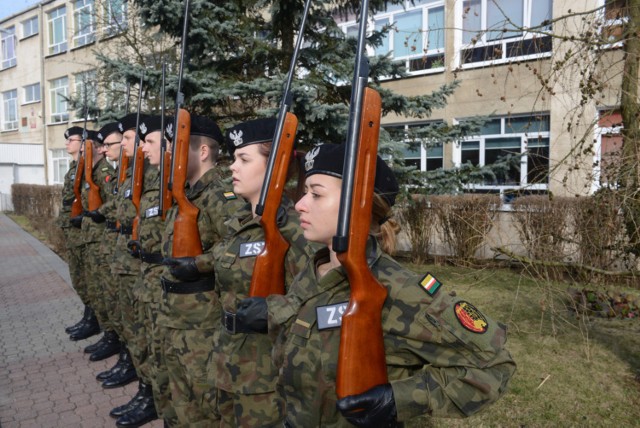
[
  {"x": 251, "y": 316},
  {"x": 96, "y": 216},
  {"x": 76, "y": 221},
  {"x": 183, "y": 268},
  {"x": 373, "y": 408}
]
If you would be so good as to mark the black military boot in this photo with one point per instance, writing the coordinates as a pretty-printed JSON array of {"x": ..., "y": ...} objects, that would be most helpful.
[
  {"x": 90, "y": 349},
  {"x": 141, "y": 414},
  {"x": 110, "y": 346},
  {"x": 77, "y": 325},
  {"x": 123, "y": 373},
  {"x": 88, "y": 329},
  {"x": 117, "y": 367},
  {"x": 116, "y": 412}
]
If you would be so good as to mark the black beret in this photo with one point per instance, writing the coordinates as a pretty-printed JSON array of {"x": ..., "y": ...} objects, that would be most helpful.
[
  {"x": 128, "y": 122},
  {"x": 328, "y": 159},
  {"x": 150, "y": 124},
  {"x": 202, "y": 125},
  {"x": 93, "y": 136},
  {"x": 251, "y": 132},
  {"x": 74, "y": 130},
  {"x": 107, "y": 130}
]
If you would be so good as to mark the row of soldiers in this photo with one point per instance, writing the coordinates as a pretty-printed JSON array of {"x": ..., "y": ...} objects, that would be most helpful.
[{"x": 185, "y": 326}]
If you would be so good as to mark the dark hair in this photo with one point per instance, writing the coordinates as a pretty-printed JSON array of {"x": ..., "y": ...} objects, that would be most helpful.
[{"x": 195, "y": 141}]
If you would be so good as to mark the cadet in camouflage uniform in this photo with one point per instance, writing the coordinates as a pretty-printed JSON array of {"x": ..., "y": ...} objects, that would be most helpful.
[
  {"x": 190, "y": 311},
  {"x": 241, "y": 367},
  {"x": 444, "y": 357},
  {"x": 102, "y": 172},
  {"x": 127, "y": 270},
  {"x": 73, "y": 137},
  {"x": 147, "y": 291}
]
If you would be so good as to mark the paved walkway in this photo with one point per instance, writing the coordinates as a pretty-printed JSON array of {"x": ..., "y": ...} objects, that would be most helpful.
[{"x": 45, "y": 379}]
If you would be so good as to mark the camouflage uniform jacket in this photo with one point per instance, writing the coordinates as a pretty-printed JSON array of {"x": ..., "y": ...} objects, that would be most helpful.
[
  {"x": 435, "y": 365},
  {"x": 150, "y": 235},
  {"x": 108, "y": 209},
  {"x": 102, "y": 173},
  {"x": 243, "y": 362},
  {"x": 198, "y": 310},
  {"x": 67, "y": 197},
  {"x": 123, "y": 263}
]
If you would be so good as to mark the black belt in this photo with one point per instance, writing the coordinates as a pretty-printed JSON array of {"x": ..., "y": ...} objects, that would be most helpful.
[
  {"x": 126, "y": 230},
  {"x": 155, "y": 258},
  {"x": 199, "y": 286},
  {"x": 68, "y": 202},
  {"x": 111, "y": 226}
]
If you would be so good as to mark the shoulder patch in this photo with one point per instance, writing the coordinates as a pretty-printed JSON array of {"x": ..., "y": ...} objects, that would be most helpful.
[
  {"x": 106, "y": 168},
  {"x": 470, "y": 317},
  {"x": 229, "y": 196},
  {"x": 430, "y": 284},
  {"x": 107, "y": 179}
]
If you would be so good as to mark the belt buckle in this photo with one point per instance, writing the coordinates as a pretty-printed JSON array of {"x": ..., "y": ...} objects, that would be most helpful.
[{"x": 229, "y": 322}]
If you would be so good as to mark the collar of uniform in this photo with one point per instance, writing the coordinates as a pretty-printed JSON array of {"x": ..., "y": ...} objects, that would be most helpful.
[
  {"x": 207, "y": 178},
  {"x": 101, "y": 164}
]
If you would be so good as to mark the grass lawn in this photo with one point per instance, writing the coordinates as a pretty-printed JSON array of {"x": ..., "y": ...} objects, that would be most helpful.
[{"x": 572, "y": 371}]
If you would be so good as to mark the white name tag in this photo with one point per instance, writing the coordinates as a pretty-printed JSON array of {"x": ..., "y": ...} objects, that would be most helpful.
[
  {"x": 251, "y": 249},
  {"x": 86, "y": 185},
  {"x": 73, "y": 176},
  {"x": 152, "y": 212},
  {"x": 330, "y": 316},
  {"x": 127, "y": 193}
]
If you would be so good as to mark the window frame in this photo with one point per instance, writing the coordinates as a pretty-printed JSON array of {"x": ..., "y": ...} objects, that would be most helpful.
[
  {"x": 422, "y": 154},
  {"x": 60, "y": 162},
  {"x": 8, "y": 37},
  {"x": 505, "y": 47},
  {"x": 38, "y": 93},
  {"x": 54, "y": 92},
  {"x": 604, "y": 130},
  {"x": 115, "y": 23},
  {"x": 10, "y": 105},
  {"x": 60, "y": 18},
  {"x": 83, "y": 34},
  {"x": 29, "y": 21},
  {"x": 527, "y": 138}
]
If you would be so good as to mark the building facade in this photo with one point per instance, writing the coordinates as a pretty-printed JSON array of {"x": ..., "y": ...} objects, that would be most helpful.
[{"x": 48, "y": 57}]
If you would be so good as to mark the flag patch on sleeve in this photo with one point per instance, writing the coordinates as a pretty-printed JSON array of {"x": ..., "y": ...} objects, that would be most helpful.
[
  {"x": 430, "y": 284},
  {"x": 230, "y": 195}
]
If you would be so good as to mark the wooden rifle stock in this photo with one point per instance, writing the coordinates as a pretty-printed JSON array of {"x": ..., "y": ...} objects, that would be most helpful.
[
  {"x": 123, "y": 166},
  {"x": 95, "y": 200},
  {"x": 361, "y": 359},
  {"x": 76, "y": 208},
  {"x": 137, "y": 180},
  {"x": 186, "y": 236},
  {"x": 268, "y": 270}
]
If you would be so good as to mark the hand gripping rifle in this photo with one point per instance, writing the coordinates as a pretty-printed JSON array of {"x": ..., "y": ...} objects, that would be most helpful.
[
  {"x": 137, "y": 177},
  {"x": 165, "y": 158},
  {"x": 268, "y": 270},
  {"x": 361, "y": 358},
  {"x": 95, "y": 200},
  {"x": 186, "y": 236},
  {"x": 123, "y": 161}
]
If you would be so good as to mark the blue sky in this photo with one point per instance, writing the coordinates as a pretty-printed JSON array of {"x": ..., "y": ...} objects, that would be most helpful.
[{"x": 10, "y": 7}]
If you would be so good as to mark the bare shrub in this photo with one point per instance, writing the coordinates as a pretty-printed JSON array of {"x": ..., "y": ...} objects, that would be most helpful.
[
  {"x": 599, "y": 229},
  {"x": 417, "y": 219},
  {"x": 464, "y": 221}
]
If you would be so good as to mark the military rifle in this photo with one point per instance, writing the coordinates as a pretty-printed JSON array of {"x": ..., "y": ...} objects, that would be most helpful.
[
  {"x": 361, "y": 358},
  {"x": 165, "y": 158},
  {"x": 268, "y": 271},
  {"x": 123, "y": 161},
  {"x": 186, "y": 235},
  {"x": 95, "y": 200},
  {"x": 137, "y": 177}
]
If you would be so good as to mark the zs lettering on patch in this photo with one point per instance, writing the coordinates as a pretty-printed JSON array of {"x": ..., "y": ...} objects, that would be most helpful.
[
  {"x": 251, "y": 249},
  {"x": 127, "y": 193},
  {"x": 330, "y": 316},
  {"x": 152, "y": 212}
]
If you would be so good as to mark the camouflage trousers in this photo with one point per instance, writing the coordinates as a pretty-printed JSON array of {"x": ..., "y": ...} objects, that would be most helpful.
[
  {"x": 110, "y": 285},
  {"x": 127, "y": 308},
  {"x": 76, "y": 266},
  {"x": 252, "y": 410},
  {"x": 94, "y": 276},
  {"x": 186, "y": 353}
]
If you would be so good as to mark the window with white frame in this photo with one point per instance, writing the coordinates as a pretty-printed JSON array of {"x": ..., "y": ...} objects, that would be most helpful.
[
  {"x": 30, "y": 27},
  {"x": 84, "y": 30},
  {"x": 526, "y": 136},
  {"x": 58, "y": 93},
  {"x": 32, "y": 93},
  {"x": 608, "y": 156},
  {"x": 503, "y": 30},
  {"x": 86, "y": 81},
  {"x": 8, "y": 42},
  {"x": 56, "y": 25},
  {"x": 115, "y": 17},
  {"x": 416, "y": 33},
  {"x": 615, "y": 19},
  {"x": 424, "y": 156},
  {"x": 10, "y": 110},
  {"x": 61, "y": 162}
]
